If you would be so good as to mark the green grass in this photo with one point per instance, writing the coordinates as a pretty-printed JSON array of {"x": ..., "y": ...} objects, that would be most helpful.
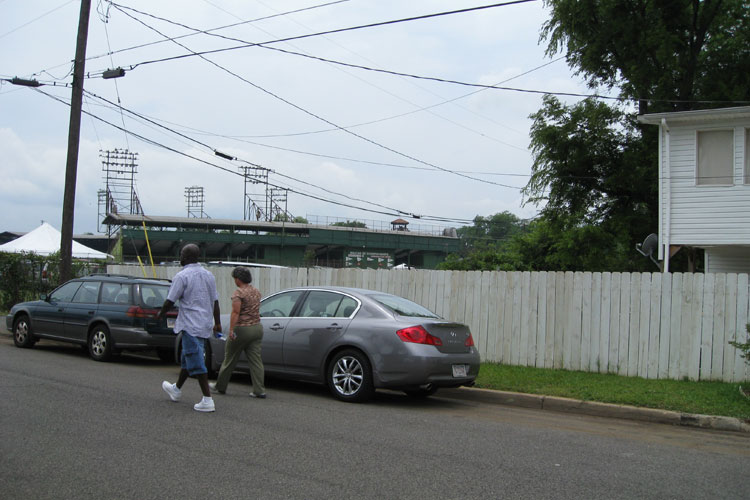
[{"x": 709, "y": 398}]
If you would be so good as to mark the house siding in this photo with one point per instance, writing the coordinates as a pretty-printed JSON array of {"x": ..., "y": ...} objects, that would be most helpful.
[
  {"x": 703, "y": 215},
  {"x": 731, "y": 259}
]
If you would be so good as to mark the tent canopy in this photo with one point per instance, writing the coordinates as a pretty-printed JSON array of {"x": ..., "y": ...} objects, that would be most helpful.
[{"x": 45, "y": 240}]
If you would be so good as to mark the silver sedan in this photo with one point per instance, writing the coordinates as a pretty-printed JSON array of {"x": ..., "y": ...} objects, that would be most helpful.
[{"x": 356, "y": 340}]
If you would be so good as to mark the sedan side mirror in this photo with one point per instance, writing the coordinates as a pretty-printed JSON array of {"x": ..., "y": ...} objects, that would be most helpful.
[{"x": 44, "y": 297}]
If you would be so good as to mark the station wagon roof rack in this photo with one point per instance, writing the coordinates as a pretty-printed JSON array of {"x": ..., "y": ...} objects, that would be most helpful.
[{"x": 127, "y": 276}]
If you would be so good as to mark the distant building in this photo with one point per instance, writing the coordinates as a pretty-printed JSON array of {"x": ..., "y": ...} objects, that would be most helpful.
[{"x": 279, "y": 243}]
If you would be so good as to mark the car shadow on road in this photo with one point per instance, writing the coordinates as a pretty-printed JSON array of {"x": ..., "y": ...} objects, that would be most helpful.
[
  {"x": 134, "y": 358},
  {"x": 381, "y": 398}
]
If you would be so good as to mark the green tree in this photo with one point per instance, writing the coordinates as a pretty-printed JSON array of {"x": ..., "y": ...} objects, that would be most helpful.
[
  {"x": 484, "y": 244},
  {"x": 350, "y": 223},
  {"x": 282, "y": 217},
  {"x": 595, "y": 168},
  {"x": 490, "y": 232},
  {"x": 681, "y": 51}
]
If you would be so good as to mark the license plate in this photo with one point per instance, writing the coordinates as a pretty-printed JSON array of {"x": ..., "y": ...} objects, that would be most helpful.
[
  {"x": 170, "y": 322},
  {"x": 460, "y": 370}
]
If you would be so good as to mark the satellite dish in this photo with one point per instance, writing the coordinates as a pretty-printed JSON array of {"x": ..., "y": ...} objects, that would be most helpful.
[{"x": 648, "y": 246}]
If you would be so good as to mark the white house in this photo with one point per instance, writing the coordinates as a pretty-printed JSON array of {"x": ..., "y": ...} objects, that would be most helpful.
[{"x": 704, "y": 185}]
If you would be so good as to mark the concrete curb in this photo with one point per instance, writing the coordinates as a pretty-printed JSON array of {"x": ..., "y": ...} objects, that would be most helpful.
[{"x": 567, "y": 405}]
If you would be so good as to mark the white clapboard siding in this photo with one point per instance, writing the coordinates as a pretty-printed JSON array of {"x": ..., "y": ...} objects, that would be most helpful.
[{"x": 651, "y": 325}]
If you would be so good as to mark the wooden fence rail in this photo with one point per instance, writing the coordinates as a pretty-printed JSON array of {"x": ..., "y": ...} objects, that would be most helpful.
[{"x": 650, "y": 325}]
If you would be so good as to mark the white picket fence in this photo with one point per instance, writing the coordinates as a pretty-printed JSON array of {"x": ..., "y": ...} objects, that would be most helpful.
[{"x": 637, "y": 324}]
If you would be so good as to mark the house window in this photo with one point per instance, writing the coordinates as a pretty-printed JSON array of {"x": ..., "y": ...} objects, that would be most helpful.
[{"x": 715, "y": 158}]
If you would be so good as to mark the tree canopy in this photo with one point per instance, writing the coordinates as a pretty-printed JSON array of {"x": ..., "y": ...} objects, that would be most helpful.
[
  {"x": 595, "y": 170},
  {"x": 668, "y": 55}
]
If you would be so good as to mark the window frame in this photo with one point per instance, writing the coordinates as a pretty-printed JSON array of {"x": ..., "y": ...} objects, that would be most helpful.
[{"x": 697, "y": 171}]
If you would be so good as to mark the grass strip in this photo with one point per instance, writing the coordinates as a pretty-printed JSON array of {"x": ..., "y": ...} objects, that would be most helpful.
[{"x": 704, "y": 397}]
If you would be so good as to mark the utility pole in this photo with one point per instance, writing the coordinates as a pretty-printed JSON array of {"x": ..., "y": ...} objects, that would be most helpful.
[{"x": 74, "y": 136}]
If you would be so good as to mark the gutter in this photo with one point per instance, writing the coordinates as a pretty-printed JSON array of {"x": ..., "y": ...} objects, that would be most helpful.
[{"x": 664, "y": 168}]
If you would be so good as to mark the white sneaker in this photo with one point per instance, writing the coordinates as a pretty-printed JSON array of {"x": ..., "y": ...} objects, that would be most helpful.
[
  {"x": 205, "y": 404},
  {"x": 174, "y": 393}
]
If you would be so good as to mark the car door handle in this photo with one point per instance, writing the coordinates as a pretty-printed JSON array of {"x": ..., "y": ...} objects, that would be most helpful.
[
  {"x": 335, "y": 326},
  {"x": 276, "y": 326},
  {"x": 91, "y": 313}
]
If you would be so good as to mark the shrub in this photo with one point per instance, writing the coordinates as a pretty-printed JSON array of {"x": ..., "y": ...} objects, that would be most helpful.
[
  {"x": 744, "y": 347},
  {"x": 24, "y": 276}
]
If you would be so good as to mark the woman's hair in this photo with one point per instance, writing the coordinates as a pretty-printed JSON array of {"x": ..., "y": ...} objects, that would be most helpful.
[{"x": 242, "y": 274}]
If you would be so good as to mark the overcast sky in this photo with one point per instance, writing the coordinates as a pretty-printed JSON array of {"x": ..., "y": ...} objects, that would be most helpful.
[{"x": 362, "y": 139}]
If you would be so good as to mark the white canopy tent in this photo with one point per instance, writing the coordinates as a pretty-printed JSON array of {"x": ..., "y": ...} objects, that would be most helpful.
[{"x": 45, "y": 240}]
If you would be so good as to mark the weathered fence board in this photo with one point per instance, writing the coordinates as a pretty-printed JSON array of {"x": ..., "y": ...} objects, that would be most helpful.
[{"x": 650, "y": 325}]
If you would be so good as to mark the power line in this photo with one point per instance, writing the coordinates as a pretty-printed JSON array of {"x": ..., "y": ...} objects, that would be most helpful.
[
  {"x": 91, "y": 58},
  {"x": 393, "y": 211},
  {"x": 310, "y": 113},
  {"x": 196, "y": 30},
  {"x": 321, "y": 33},
  {"x": 309, "y": 153},
  {"x": 395, "y": 73},
  {"x": 366, "y": 82},
  {"x": 36, "y": 19},
  {"x": 412, "y": 111},
  {"x": 208, "y": 31}
]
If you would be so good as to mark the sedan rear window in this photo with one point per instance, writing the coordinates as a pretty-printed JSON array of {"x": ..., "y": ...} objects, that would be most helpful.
[{"x": 403, "y": 307}]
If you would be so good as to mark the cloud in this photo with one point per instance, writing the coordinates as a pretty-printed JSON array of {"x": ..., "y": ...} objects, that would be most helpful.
[{"x": 272, "y": 105}]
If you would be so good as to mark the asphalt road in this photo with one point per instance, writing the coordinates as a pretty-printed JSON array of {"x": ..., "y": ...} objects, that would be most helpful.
[{"x": 74, "y": 428}]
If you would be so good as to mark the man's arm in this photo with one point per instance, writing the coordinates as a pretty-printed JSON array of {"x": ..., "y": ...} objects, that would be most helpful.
[
  {"x": 217, "y": 317},
  {"x": 168, "y": 304}
]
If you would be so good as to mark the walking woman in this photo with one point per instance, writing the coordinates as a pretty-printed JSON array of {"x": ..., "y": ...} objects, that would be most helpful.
[{"x": 245, "y": 334}]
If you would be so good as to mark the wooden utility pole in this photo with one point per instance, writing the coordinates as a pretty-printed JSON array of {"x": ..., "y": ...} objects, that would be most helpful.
[{"x": 74, "y": 135}]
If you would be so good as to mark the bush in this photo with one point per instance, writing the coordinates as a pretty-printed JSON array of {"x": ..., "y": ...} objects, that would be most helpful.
[
  {"x": 24, "y": 276},
  {"x": 744, "y": 347}
]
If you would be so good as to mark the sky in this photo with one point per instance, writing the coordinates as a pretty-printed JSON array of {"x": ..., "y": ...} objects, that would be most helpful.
[{"x": 347, "y": 143}]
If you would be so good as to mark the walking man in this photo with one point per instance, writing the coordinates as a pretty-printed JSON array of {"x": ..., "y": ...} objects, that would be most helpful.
[{"x": 197, "y": 318}]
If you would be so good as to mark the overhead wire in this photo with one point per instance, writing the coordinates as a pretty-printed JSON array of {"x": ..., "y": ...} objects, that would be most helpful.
[
  {"x": 396, "y": 73},
  {"x": 319, "y": 155},
  {"x": 395, "y": 210},
  {"x": 36, "y": 19},
  {"x": 307, "y": 183},
  {"x": 263, "y": 18},
  {"x": 419, "y": 108},
  {"x": 156, "y": 42},
  {"x": 413, "y": 111},
  {"x": 310, "y": 113},
  {"x": 328, "y": 32},
  {"x": 190, "y": 139},
  {"x": 104, "y": 17}
]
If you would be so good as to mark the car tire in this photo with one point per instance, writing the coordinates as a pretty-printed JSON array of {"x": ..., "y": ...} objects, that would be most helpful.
[
  {"x": 421, "y": 392},
  {"x": 349, "y": 376},
  {"x": 23, "y": 336},
  {"x": 100, "y": 343}
]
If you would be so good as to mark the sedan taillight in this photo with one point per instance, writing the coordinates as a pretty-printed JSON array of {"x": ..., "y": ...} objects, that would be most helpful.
[
  {"x": 418, "y": 335},
  {"x": 469, "y": 341}
]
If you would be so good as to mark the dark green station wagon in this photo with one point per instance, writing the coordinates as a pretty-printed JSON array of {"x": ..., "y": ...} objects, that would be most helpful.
[{"x": 103, "y": 312}]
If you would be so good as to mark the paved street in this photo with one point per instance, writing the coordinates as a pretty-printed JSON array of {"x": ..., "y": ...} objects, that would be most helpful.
[{"x": 75, "y": 428}]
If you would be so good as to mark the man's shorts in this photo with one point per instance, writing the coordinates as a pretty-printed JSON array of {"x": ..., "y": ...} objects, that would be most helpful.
[{"x": 192, "y": 354}]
